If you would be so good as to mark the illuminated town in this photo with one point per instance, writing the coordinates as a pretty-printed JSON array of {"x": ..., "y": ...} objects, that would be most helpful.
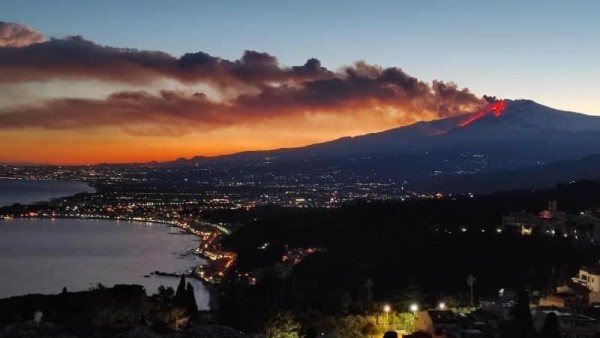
[{"x": 299, "y": 169}]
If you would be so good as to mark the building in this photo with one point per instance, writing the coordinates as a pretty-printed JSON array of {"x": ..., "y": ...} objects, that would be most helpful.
[
  {"x": 584, "y": 226},
  {"x": 589, "y": 276},
  {"x": 436, "y": 322},
  {"x": 582, "y": 290}
]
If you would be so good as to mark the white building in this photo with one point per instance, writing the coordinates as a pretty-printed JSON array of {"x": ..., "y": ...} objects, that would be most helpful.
[{"x": 590, "y": 278}]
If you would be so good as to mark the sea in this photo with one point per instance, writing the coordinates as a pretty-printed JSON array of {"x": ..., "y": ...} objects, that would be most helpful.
[
  {"x": 31, "y": 191},
  {"x": 45, "y": 255}
]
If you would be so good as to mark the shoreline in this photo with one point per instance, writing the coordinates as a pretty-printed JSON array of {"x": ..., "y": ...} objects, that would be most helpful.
[
  {"x": 87, "y": 185},
  {"x": 188, "y": 271},
  {"x": 183, "y": 227},
  {"x": 210, "y": 287}
]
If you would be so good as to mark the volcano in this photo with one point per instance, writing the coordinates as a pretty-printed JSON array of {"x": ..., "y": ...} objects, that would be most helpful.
[
  {"x": 507, "y": 130},
  {"x": 505, "y": 135}
]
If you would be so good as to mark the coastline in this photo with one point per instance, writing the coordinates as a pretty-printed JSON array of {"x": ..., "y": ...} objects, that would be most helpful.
[
  {"x": 180, "y": 258},
  {"x": 210, "y": 287},
  {"x": 43, "y": 195},
  {"x": 86, "y": 187}
]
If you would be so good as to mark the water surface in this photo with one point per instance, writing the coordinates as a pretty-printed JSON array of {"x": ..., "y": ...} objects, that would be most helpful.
[
  {"x": 30, "y": 191},
  {"x": 43, "y": 255}
]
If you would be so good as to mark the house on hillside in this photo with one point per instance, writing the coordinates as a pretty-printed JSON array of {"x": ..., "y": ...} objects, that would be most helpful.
[
  {"x": 581, "y": 290},
  {"x": 589, "y": 277},
  {"x": 583, "y": 226}
]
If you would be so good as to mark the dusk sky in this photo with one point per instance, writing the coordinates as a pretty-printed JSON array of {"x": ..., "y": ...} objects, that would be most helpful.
[{"x": 227, "y": 76}]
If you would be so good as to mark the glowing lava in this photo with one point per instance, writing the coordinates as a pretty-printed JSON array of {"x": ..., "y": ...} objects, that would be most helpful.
[{"x": 495, "y": 108}]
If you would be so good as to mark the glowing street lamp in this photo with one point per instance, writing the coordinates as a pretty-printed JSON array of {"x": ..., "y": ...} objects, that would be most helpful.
[
  {"x": 414, "y": 308},
  {"x": 442, "y": 306},
  {"x": 386, "y": 309}
]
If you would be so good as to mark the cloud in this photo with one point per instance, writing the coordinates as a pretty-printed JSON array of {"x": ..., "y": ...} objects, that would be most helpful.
[
  {"x": 360, "y": 89},
  {"x": 276, "y": 91},
  {"x": 75, "y": 57},
  {"x": 14, "y": 35}
]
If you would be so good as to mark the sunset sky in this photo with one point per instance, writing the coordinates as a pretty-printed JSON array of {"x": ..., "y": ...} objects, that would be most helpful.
[{"x": 122, "y": 81}]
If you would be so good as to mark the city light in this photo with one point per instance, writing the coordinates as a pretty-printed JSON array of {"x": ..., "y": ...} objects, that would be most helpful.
[
  {"x": 442, "y": 306},
  {"x": 414, "y": 308},
  {"x": 386, "y": 309}
]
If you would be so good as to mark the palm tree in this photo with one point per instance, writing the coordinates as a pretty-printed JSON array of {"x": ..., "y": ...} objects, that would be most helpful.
[{"x": 470, "y": 282}]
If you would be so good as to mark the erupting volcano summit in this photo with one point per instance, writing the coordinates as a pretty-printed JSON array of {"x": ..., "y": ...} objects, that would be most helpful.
[{"x": 495, "y": 108}]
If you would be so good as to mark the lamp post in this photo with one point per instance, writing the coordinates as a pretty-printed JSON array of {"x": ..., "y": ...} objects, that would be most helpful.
[
  {"x": 470, "y": 282},
  {"x": 414, "y": 308},
  {"x": 386, "y": 309}
]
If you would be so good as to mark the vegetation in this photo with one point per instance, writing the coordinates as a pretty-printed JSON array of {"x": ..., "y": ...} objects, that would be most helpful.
[
  {"x": 283, "y": 325},
  {"x": 105, "y": 310},
  {"x": 398, "y": 253}
]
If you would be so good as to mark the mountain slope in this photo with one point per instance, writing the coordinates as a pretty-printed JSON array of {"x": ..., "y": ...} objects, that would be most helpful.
[
  {"x": 503, "y": 136},
  {"x": 586, "y": 168},
  {"x": 524, "y": 129}
]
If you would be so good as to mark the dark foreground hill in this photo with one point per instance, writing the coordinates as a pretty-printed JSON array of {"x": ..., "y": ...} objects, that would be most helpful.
[
  {"x": 120, "y": 311},
  {"x": 416, "y": 251}
]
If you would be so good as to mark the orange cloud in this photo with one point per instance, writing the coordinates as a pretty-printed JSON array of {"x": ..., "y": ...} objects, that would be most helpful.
[
  {"x": 257, "y": 99},
  {"x": 16, "y": 35},
  {"x": 360, "y": 88}
]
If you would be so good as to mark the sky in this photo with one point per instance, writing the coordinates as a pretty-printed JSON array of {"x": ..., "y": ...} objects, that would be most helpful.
[{"x": 270, "y": 74}]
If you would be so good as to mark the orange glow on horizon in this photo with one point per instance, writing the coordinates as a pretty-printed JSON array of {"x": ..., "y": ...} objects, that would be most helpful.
[{"x": 113, "y": 145}]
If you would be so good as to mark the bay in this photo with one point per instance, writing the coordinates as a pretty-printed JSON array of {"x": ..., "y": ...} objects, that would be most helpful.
[
  {"x": 30, "y": 191},
  {"x": 45, "y": 255}
]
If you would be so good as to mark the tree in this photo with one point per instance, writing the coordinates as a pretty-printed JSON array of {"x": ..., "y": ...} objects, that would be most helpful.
[
  {"x": 521, "y": 325},
  {"x": 283, "y": 325},
  {"x": 191, "y": 300},
  {"x": 411, "y": 295},
  {"x": 403, "y": 321},
  {"x": 180, "y": 287},
  {"x": 550, "y": 328},
  {"x": 356, "y": 326},
  {"x": 165, "y": 294}
]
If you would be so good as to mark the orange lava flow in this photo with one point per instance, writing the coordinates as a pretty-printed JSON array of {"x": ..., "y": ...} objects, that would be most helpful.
[{"x": 495, "y": 108}]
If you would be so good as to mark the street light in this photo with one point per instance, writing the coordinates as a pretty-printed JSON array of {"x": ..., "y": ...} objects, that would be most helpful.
[
  {"x": 442, "y": 306},
  {"x": 414, "y": 308},
  {"x": 386, "y": 309}
]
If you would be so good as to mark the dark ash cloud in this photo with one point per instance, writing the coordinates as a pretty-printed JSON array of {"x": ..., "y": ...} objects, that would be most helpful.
[
  {"x": 277, "y": 91},
  {"x": 75, "y": 57},
  {"x": 358, "y": 90}
]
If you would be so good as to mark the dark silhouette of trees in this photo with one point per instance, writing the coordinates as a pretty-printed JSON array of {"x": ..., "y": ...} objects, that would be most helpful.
[
  {"x": 550, "y": 328},
  {"x": 192, "y": 306},
  {"x": 521, "y": 325},
  {"x": 165, "y": 295},
  {"x": 180, "y": 287}
]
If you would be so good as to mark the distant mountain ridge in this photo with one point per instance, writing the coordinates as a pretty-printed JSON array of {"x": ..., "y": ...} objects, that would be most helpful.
[
  {"x": 522, "y": 119},
  {"x": 523, "y": 134}
]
